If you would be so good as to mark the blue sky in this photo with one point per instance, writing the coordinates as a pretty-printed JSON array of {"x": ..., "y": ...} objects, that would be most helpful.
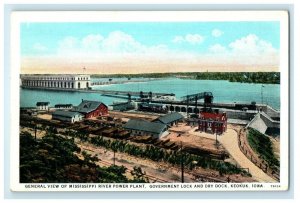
[
  {"x": 250, "y": 43},
  {"x": 50, "y": 34}
]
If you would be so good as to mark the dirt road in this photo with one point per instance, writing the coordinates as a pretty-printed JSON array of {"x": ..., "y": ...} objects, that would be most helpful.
[{"x": 230, "y": 141}]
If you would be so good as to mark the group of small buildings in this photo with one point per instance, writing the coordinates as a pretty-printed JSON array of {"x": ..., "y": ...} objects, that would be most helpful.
[
  {"x": 210, "y": 122},
  {"x": 70, "y": 113},
  {"x": 207, "y": 122}
]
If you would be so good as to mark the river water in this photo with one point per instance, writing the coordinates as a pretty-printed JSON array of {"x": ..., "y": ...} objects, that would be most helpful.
[{"x": 223, "y": 91}]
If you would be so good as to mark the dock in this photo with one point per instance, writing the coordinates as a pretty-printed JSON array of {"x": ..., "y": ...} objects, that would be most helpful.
[{"x": 103, "y": 92}]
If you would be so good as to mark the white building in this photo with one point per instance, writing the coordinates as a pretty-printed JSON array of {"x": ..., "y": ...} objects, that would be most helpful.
[
  {"x": 67, "y": 116},
  {"x": 56, "y": 81},
  {"x": 42, "y": 106}
]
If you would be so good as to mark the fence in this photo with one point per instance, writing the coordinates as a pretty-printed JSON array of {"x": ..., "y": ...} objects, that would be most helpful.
[{"x": 249, "y": 153}]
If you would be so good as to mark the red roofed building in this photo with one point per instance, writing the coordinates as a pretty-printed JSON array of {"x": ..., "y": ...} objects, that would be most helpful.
[
  {"x": 212, "y": 122},
  {"x": 91, "y": 109}
]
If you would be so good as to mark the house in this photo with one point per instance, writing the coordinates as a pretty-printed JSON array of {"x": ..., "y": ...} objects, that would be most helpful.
[
  {"x": 212, "y": 122},
  {"x": 67, "y": 116},
  {"x": 141, "y": 127},
  {"x": 170, "y": 119},
  {"x": 63, "y": 106},
  {"x": 91, "y": 109},
  {"x": 42, "y": 106}
]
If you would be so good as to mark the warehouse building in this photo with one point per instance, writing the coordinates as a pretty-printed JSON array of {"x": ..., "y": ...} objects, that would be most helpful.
[
  {"x": 91, "y": 109},
  {"x": 67, "y": 116},
  {"x": 141, "y": 127},
  {"x": 170, "y": 119}
]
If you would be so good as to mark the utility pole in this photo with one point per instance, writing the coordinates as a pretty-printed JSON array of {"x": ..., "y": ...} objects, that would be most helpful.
[
  {"x": 262, "y": 96},
  {"x": 35, "y": 131},
  {"x": 187, "y": 107},
  {"x": 196, "y": 100},
  {"x": 114, "y": 157},
  {"x": 182, "y": 165}
]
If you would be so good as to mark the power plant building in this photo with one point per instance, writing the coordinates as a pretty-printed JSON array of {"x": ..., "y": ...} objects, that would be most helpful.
[{"x": 56, "y": 81}]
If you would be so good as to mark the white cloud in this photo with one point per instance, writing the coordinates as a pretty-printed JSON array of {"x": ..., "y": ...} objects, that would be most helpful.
[
  {"x": 92, "y": 41},
  {"x": 118, "y": 45},
  {"x": 253, "y": 45},
  {"x": 248, "y": 50},
  {"x": 194, "y": 39},
  {"x": 39, "y": 47},
  {"x": 116, "y": 42},
  {"x": 178, "y": 39},
  {"x": 67, "y": 45},
  {"x": 217, "y": 48},
  {"x": 120, "y": 42},
  {"x": 217, "y": 33},
  {"x": 189, "y": 38}
]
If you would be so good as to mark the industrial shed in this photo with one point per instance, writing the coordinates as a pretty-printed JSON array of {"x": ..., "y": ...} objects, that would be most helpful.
[
  {"x": 67, "y": 116},
  {"x": 170, "y": 119},
  {"x": 141, "y": 127}
]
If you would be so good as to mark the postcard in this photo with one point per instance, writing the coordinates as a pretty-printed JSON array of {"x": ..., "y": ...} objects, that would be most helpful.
[{"x": 149, "y": 101}]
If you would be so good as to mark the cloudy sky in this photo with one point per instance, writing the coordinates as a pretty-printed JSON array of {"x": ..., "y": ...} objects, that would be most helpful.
[{"x": 149, "y": 47}]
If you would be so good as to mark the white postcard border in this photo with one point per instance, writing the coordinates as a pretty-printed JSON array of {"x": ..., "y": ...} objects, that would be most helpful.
[{"x": 147, "y": 16}]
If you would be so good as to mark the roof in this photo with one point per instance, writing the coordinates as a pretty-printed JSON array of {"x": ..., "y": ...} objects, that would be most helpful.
[
  {"x": 63, "y": 105},
  {"x": 213, "y": 116},
  {"x": 145, "y": 126},
  {"x": 42, "y": 103},
  {"x": 169, "y": 118},
  {"x": 68, "y": 114},
  {"x": 87, "y": 106}
]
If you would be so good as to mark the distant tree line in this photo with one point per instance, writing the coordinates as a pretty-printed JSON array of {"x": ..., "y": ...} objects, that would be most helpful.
[{"x": 243, "y": 77}]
